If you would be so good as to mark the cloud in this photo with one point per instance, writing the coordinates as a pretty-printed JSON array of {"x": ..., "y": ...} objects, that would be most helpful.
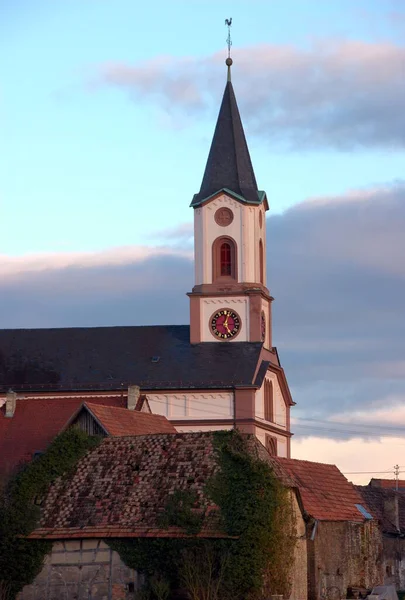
[
  {"x": 336, "y": 269},
  {"x": 357, "y": 458},
  {"x": 341, "y": 94}
]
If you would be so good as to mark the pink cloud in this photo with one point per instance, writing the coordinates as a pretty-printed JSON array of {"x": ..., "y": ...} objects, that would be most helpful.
[{"x": 343, "y": 93}]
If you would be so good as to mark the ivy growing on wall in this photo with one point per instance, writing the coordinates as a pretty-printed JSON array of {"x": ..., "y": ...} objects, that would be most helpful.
[
  {"x": 257, "y": 515},
  {"x": 21, "y": 559}
]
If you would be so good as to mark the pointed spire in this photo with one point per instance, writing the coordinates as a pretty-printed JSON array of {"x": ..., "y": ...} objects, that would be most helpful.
[{"x": 229, "y": 165}]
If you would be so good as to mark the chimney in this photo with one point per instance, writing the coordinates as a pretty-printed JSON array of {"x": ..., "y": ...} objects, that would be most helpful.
[
  {"x": 133, "y": 396},
  {"x": 391, "y": 509},
  {"x": 11, "y": 401}
]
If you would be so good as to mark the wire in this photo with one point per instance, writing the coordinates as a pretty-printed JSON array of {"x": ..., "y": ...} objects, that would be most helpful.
[
  {"x": 247, "y": 412},
  {"x": 368, "y": 472}
]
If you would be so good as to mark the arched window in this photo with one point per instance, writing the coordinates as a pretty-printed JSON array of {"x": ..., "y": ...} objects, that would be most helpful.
[
  {"x": 268, "y": 401},
  {"x": 271, "y": 445},
  {"x": 224, "y": 259},
  {"x": 261, "y": 261}
]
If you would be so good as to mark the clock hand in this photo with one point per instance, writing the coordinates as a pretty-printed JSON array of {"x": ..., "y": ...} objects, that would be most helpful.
[{"x": 226, "y": 324}]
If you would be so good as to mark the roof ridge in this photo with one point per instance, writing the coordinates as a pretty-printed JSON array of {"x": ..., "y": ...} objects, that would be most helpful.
[
  {"x": 82, "y": 327},
  {"x": 313, "y": 462}
]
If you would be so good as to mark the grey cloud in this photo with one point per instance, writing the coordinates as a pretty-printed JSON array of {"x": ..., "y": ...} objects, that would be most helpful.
[
  {"x": 342, "y": 95},
  {"x": 336, "y": 269}
]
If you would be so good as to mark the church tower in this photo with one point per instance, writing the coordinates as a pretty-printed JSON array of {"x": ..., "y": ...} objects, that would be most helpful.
[{"x": 230, "y": 301}]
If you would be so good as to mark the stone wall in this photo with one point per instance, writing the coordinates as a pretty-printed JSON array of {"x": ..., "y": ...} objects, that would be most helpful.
[
  {"x": 299, "y": 589},
  {"x": 394, "y": 561},
  {"x": 343, "y": 555},
  {"x": 82, "y": 569}
]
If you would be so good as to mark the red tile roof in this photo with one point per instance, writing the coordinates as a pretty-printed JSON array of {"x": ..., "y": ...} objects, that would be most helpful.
[
  {"x": 388, "y": 484},
  {"x": 121, "y": 421},
  {"x": 325, "y": 492},
  {"x": 122, "y": 532},
  {"x": 36, "y": 422}
]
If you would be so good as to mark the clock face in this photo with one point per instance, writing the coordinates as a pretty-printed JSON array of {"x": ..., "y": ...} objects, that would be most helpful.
[
  {"x": 225, "y": 324},
  {"x": 263, "y": 326}
]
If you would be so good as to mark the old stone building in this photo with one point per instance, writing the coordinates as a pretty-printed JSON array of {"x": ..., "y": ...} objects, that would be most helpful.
[
  {"x": 118, "y": 491},
  {"x": 386, "y": 502},
  {"x": 343, "y": 541}
]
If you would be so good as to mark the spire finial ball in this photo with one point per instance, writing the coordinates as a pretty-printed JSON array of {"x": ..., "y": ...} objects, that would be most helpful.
[{"x": 228, "y": 62}]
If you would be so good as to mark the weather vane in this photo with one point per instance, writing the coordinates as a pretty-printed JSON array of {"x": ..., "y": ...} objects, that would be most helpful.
[{"x": 228, "y": 23}]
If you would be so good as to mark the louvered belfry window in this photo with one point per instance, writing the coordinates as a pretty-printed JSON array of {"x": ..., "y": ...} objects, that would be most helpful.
[
  {"x": 226, "y": 260},
  {"x": 224, "y": 256}
]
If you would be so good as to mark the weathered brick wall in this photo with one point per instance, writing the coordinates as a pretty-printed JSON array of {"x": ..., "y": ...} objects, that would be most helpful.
[
  {"x": 343, "y": 555},
  {"x": 394, "y": 561},
  {"x": 82, "y": 569}
]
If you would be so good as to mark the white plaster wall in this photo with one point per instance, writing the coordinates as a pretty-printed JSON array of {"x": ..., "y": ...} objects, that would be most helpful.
[
  {"x": 211, "y": 305},
  {"x": 198, "y": 245},
  {"x": 188, "y": 428},
  {"x": 280, "y": 410},
  {"x": 244, "y": 229},
  {"x": 259, "y": 234},
  {"x": 216, "y": 405},
  {"x": 281, "y": 440}
]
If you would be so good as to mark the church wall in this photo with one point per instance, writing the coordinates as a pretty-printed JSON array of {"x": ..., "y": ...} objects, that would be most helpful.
[
  {"x": 82, "y": 569},
  {"x": 259, "y": 234},
  {"x": 199, "y": 427},
  {"x": 201, "y": 406},
  {"x": 280, "y": 409},
  {"x": 282, "y": 441},
  {"x": 250, "y": 245},
  {"x": 239, "y": 304}
]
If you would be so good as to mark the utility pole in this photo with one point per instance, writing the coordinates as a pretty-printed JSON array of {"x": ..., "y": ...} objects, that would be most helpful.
[{"x": 396, "y": 473}]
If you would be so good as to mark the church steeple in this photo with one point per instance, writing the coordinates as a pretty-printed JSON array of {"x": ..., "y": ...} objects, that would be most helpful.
[
  {"x": 229, "y": 166},
  {"x": 230, "y": 300}
]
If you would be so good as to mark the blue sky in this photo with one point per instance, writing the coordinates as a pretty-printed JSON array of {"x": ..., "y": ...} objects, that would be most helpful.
[{"x": 86, "y": 166}]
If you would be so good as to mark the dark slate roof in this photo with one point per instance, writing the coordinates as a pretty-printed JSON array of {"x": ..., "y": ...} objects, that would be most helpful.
[
  {"x": 377, "y": 499},
  {"x": 229, "y": 165},
  {"x": 111, "y": 358}
]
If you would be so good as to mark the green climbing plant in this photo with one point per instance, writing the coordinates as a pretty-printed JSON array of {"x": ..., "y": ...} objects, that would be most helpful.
[
  {"x": 22, "y": 559},
  {"x": 256, "y": 513}
]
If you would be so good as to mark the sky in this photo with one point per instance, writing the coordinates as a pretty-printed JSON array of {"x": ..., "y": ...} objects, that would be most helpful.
[{"x": 107, "y": 111}]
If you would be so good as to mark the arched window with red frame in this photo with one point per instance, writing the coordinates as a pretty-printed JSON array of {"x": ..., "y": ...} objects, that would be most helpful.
[{"x": 224, "y": 259}]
